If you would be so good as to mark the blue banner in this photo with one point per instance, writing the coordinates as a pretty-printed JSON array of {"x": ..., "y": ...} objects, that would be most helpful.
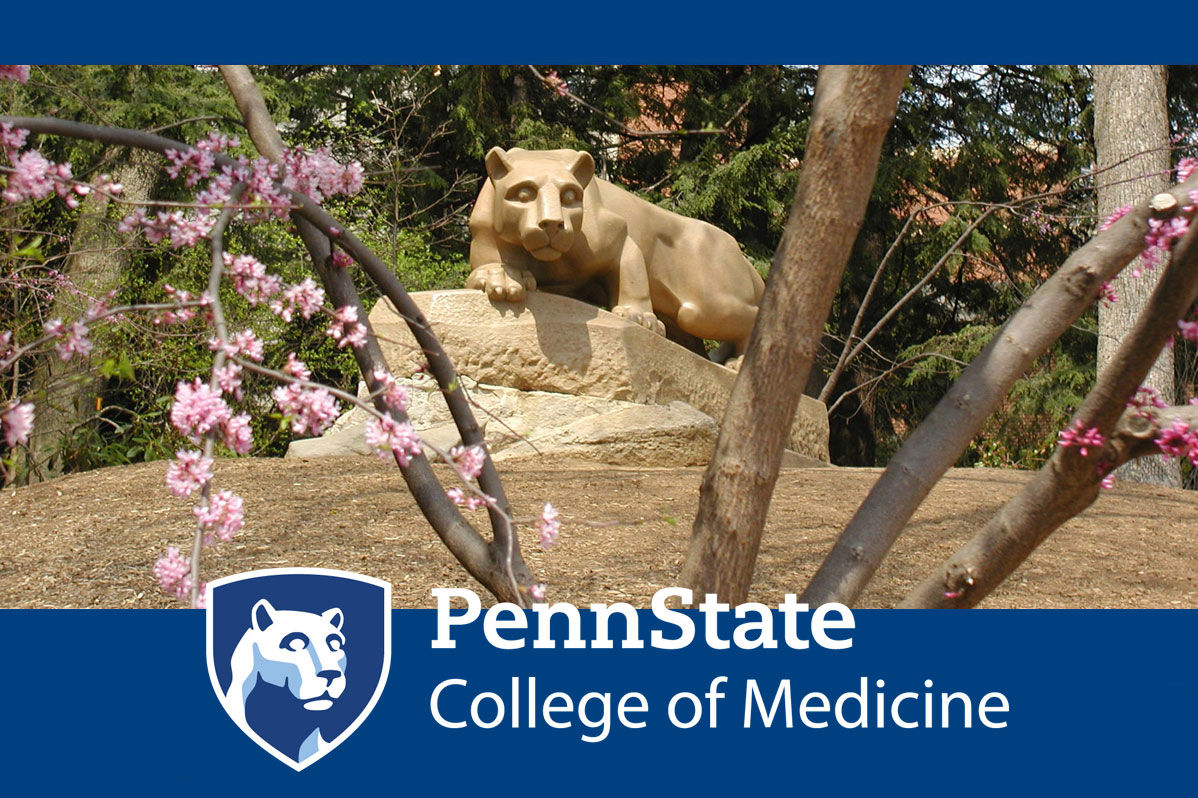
[{"x": 974, "y": 703}]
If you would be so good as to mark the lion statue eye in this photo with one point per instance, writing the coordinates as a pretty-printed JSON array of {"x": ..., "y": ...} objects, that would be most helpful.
[
  {"x": 296, "y": 641},
  {"x": 526, "y": 195},
  {"x": 569, "y": 196},
  {"x": 334, "y": 643}
]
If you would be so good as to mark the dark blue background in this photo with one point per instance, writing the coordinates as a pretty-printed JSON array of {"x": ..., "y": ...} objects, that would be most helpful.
[
  {"x": 1102, "y": 703},
  {"x": 471, "y": 31}
]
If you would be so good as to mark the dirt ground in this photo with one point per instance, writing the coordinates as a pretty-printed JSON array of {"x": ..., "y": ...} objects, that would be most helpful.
[{"x": 89, "y": 540}]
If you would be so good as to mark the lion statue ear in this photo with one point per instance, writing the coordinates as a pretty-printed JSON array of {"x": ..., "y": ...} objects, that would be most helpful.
[
  {"x": 498, "y": 164},
  {"x": 263, "y": 615},
  {"x": 334, "y": 617},
  {"x": 583, "y": 168}
]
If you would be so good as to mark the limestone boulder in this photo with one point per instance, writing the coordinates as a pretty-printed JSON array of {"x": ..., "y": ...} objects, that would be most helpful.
[{"x": 555, "y": 345}]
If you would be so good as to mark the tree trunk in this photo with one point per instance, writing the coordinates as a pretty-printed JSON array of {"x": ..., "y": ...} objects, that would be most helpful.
[
  {"x": 854, "y": 108},
  {"x": 71, "y": 389},
  {"x": 1131, "y": 138}
]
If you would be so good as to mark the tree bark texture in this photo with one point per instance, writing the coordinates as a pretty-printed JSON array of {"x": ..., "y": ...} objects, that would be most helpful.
[
  {"x": 1069, "y": 482},
  {"x": 854, "y": 109},
  {"x": 68, "y": 391},
  {"x": 1131, "y": 140}
]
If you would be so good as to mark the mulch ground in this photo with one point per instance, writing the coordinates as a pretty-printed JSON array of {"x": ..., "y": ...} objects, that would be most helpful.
[{"x": 89, "y": 540}]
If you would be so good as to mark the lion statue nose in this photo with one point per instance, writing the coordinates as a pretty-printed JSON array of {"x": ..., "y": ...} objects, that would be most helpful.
[
  {"x": 329, "y": 676},
  {"x": 550, "y": 226}
]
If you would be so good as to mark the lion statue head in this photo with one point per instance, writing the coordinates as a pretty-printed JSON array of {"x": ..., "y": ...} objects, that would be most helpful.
[{"x": 539, "y": 197}]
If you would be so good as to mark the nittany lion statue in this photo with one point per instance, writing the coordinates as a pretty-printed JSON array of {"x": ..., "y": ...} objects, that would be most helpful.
[
  {"x": 543, "y": 220},
  {"x": 298, "y": 659}
]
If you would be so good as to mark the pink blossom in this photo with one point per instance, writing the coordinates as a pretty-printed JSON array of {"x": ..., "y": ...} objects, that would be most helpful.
[
  {"x": 469, "y": 460},
  {"x": 1108, "y": 482},
  {"x": 183, "y": 230},
  {"x": 75, "y": 342},
  {"x": 1083, "y": 439},
  {"x": 1114, "y": 217},
  {"x": 1176, "y": 440},
  {"x": 548, "y": 526},
  {"x": 296, "y": 367},
  {"x": 1189, "y": 330},
  {"x": 1159, "y": 239},
  {"x": 223, "y": 517},
  {"x": 12, "y": 138},
  {"x": 198, "y": 409},
  {"x": 198, "y": 164},
  {"x": 341, "y": 259},
  {"x": 388, "y": 435},
  {"x": 537, "y": 591},
  {"x": 304, "y": 297},
  {"x": 1145, "y": 396},
  {"x": 239, "y": 436},
  {"x": 54, "y": 327},
  {"x": 312, "y": 411},
  {"x": 1185, "y": 168},
  {"x": 181, "y": 315},
  {"x": 395, "y": 396},
  {"x": 346, "y": 329},
  {"x": 228, "y": 379},
  {"x": 172, "y": 571},
  {"x": 250, "y": 278},
  {"x": 318, "y": 175},
  {"x": 32, "y": 177},
  {"x": 17, "y": 72},
  {"x": 468, "y": 500},
  {"x": 242, "y": 344},
  {"x": 17, "y": 421},
  {"x": 1106, "y": 293},
  {"x": 189, "y": 471}
]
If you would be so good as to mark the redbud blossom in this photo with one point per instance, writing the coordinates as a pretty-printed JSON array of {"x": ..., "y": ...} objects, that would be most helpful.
[
  {"x": 469, "y": 460},
  {"x": 171, "y": 571},
  {"x": 311, "y": 411},
  {"x": 222, "y": 518},
  {"x": 191, "y": 470},
  {"x": 198, "y": 409},
  {"x": 17, "y": 422},
  {"x": 1083, "y": 439},
  {"x": 346, "y": 329},
  {"x": 17, "y": 72},
  {"x": 395, "y": 396},
  {"x": 548, "y": 526},
  {"x": 75, "y": 342},
  {"x": 388, "y": 436},
  {"x": 468, "y": 500},
  {"x": 296, "y": 367}
]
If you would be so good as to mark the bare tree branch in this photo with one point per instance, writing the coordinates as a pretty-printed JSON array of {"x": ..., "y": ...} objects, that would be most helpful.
[
  {"x": 1069, "y": 482},
  {"x": 937, "y": 443}
]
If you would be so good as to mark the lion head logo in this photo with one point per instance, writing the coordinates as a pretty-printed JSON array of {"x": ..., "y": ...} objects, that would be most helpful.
[
  {"x": 280, "y": 647},
  {"x": 539, "y": 197}
]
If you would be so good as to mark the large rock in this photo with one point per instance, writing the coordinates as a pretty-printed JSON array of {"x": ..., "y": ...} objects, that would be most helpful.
[{"x": 557, "y": 345}]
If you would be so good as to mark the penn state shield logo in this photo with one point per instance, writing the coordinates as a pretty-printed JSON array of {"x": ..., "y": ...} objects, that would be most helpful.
[{"x": 299, "y": 656}]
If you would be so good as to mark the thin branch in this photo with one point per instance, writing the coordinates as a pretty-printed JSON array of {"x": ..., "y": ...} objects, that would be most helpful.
[
  {"x": 1069, "y": 482},
  {"x": 936, "y": 444}
]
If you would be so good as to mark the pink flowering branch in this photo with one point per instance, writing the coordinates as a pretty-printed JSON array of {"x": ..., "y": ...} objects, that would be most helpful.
[
  {"x": 1073, "y": 477},
  {"x": 497, "y": 564}
]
